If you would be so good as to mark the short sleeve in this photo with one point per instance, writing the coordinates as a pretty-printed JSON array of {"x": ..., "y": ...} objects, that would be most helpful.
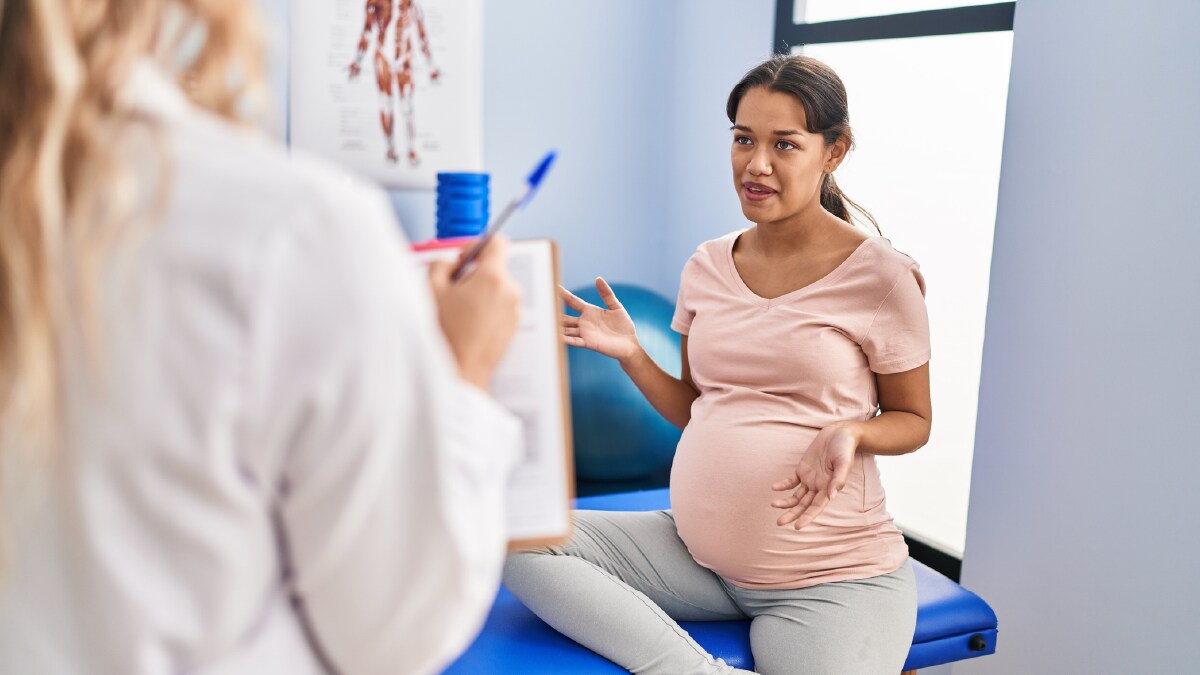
[
  {"x": 682, "y": 321},
  {"x": 898, "y": 337}
]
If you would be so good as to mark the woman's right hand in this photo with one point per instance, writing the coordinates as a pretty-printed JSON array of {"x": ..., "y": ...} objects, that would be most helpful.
[
  {"x": 608, "y": 331},
  {"x": 479, "y": 313}
]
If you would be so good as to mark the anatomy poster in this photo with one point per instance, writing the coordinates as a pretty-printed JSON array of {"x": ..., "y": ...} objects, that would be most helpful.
[{"x": 391, "y": 88}]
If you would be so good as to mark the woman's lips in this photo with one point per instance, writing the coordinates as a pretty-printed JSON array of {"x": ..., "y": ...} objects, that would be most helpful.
[{"x": 756, "y": 192}]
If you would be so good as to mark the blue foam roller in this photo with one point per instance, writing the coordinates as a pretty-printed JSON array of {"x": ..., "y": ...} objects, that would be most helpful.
[
  {"x": 459, "y": 223},
  {"x": 460, "y": 199},
  {"x": 463, "y": 178},
  {"x": 464, "y": 210},
  {"x": 466, "y": 189},
  {"x": 460, "y": 230}
]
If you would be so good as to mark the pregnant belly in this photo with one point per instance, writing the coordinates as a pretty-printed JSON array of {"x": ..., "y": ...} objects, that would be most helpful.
[{"x": 721, "y": 497}]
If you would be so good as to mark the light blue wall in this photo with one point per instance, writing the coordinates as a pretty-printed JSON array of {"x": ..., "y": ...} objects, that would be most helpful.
[
  {"x": 631, "y": 93},
  {"x": 717, "y": 41},
  {"x": 1083, "y": 531},
  {"x": 591, "y": 79}
]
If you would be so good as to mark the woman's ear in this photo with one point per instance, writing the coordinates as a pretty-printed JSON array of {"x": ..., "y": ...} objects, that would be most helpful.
[{"x": 835, "y": 152}]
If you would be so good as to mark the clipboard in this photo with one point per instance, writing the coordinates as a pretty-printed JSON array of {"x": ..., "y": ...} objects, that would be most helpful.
[{"x": 531, "y": 382}]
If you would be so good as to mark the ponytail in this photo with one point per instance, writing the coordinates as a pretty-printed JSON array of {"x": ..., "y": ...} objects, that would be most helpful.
[{"x": 835, "y": 201}]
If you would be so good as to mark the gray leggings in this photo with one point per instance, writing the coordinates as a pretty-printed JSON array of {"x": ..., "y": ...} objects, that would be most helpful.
[{"x": 624, "y": 579}]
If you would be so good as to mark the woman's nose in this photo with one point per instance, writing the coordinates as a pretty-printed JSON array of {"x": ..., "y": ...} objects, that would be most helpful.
[{"x": 760, "y": 164}]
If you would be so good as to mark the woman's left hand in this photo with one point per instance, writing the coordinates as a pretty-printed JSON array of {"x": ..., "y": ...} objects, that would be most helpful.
[{"x": 821, "y": 472}]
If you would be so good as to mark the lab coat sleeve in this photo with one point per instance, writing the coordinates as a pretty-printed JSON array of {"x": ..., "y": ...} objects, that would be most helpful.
[{"x": 391, "y": 471}]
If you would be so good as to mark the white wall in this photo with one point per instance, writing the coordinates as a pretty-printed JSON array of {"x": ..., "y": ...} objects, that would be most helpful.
[{"x": 1083, "y": 529}]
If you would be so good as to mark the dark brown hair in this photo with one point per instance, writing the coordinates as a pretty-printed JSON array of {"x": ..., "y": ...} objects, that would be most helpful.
[{"x": 823, "y": 96}]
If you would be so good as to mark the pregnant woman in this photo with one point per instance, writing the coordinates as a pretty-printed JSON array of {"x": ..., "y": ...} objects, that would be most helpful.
[{"x": 805, "y": 348}]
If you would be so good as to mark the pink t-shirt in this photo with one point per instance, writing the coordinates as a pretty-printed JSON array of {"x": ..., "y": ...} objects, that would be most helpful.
[{"x": 771, "y": 374}]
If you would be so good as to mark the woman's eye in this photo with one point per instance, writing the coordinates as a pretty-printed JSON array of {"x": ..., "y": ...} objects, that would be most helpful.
[
  {"x": 742, "y": 140},
  {"x": 785, "y": 145}
]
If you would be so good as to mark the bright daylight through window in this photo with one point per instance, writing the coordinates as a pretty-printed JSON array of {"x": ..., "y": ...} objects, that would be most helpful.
[{"x": 928, "y": 116}]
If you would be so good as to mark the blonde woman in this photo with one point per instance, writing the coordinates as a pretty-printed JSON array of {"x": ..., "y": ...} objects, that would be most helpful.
[{"x": 233, "y": 437}]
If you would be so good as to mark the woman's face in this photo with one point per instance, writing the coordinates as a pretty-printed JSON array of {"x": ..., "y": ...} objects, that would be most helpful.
[{"x": 778, "y": 165}]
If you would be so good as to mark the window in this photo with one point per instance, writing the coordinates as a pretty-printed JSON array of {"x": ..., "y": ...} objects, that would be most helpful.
[
  {"x": 928, "y": 115},
  {"x": 818, "y": 11}
]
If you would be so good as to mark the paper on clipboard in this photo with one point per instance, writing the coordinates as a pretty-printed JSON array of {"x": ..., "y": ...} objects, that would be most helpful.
[{"x": 531, "y": 382}]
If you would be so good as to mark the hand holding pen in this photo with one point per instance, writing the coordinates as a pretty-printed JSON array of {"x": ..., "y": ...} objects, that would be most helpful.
[{"x": 479, "y": 314}]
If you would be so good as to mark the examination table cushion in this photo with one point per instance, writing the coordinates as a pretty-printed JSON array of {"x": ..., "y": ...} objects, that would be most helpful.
[{"x": 952, "y": 623}]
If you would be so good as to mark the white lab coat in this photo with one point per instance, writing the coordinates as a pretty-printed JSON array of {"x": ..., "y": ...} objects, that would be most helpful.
[{"x": 275, "y": 462}]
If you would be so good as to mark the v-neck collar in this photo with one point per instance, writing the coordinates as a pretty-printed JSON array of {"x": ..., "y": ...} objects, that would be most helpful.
[{"x": 767, "y": 303}]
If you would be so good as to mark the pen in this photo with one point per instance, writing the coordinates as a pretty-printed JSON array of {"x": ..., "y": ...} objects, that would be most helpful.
[{"x": 531, "y": 185}]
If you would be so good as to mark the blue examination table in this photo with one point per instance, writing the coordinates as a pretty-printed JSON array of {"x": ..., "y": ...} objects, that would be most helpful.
[{"x": 952, "y": 624}]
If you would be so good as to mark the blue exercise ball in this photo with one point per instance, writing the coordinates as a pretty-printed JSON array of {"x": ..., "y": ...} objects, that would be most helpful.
[{"x": 618, "y": 434}]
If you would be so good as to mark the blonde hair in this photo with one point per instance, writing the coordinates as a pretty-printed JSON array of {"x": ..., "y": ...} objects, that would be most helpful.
[{"x": 64, "y": 194}]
